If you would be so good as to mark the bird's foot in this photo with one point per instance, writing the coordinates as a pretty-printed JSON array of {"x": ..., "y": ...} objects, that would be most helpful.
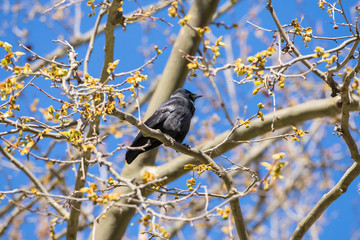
[{"x": 187, "y": 145}]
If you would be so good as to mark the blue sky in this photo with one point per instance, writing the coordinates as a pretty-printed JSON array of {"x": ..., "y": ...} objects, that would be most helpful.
[{"x": 342, "y": 216}]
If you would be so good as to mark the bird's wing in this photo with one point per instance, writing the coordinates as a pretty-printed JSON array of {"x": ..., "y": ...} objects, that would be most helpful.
[
  {"x": 155, "y": 122},
  {"x": 161, "y": 114}
]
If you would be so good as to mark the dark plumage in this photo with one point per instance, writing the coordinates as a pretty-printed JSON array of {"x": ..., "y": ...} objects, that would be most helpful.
[{"x": 173, "y": 118}]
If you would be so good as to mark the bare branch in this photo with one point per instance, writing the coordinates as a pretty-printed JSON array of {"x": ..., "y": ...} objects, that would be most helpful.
[
  {"x": 327, "y": 199},
  {"x": 62, "y": 211}
]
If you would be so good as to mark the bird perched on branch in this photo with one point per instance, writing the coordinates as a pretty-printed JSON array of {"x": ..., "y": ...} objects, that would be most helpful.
[{"x": 173, "y": 118}]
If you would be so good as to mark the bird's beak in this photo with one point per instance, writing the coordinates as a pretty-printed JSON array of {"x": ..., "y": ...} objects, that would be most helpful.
[{"x": 196, "y": 96}]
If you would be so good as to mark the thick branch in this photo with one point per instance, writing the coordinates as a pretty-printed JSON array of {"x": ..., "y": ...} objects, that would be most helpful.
[
  {"x": 339, "y": 189},
  {"x": 288, "y": 116}
]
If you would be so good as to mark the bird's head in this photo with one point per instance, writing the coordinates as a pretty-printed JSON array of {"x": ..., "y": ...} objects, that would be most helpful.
[{"x": 180, "y": 92}]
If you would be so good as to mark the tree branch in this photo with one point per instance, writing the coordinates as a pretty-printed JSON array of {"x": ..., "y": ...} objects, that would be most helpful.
[
  {"x": 286, "y": 117},
  {"x": 345, "y": 99},
  {"x": 62, "y": 211},
  {"x": 327, "y": 199}
]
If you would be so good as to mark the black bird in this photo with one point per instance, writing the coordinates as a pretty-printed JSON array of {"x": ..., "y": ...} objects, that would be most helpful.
[{"x": 172, "y": 118}]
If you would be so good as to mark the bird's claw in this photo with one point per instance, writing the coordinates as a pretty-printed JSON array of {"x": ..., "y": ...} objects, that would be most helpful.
[{"x": 187, "y": 145}]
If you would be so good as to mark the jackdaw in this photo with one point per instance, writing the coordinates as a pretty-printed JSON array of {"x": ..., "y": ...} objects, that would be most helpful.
[{"x": 172, "y": 118}]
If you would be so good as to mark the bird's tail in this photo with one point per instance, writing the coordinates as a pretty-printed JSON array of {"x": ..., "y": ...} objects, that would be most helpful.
[
  {"x": 138, "y": 142},
  {"x": 131, "y": 155}
]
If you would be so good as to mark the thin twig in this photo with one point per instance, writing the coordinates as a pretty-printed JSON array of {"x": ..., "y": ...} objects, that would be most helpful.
[{"x": 62, "y": 211}]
